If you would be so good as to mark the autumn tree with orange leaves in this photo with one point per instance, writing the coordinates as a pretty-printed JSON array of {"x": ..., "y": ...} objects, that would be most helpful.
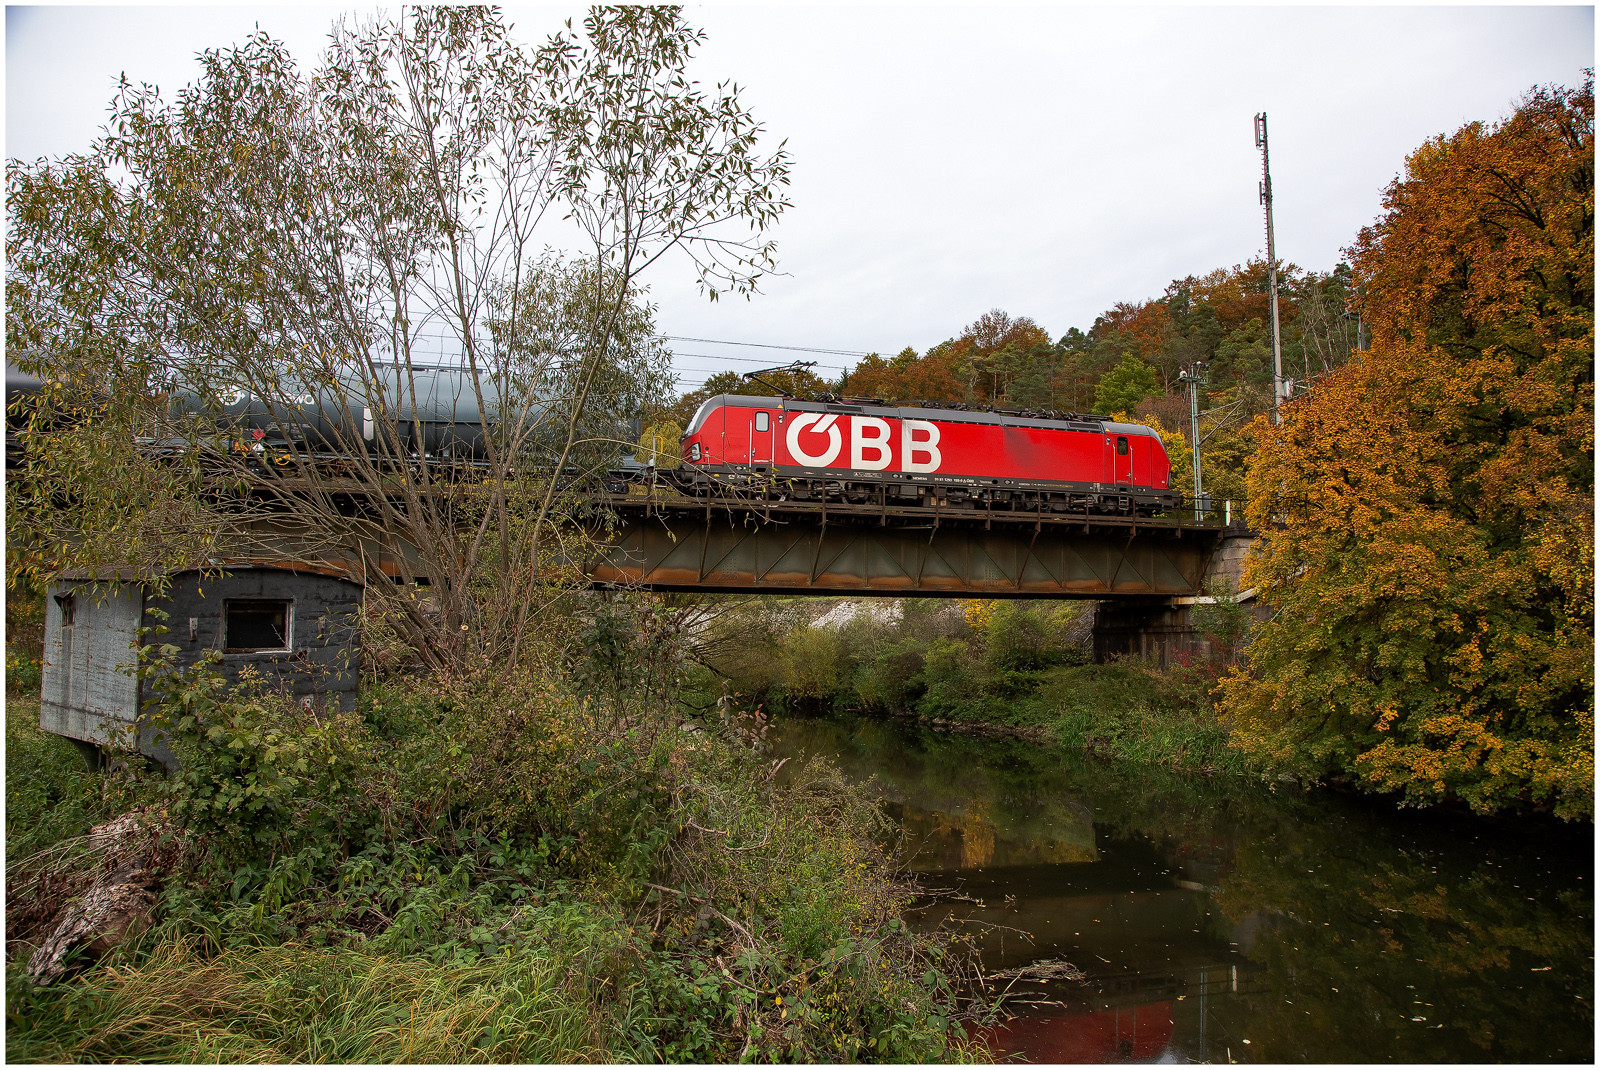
[
  {"x": 980, "y": 366},
  {"x": 1427, "y": 510}
]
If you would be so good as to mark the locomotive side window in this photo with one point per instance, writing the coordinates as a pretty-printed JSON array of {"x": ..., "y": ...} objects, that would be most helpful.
[
  {"x": 763, "y": 421},
  {"x": 1122, "y": 446}
]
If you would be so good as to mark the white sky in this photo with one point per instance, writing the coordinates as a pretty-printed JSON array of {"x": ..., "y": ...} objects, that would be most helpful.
[{"x": 948, "y": 160}]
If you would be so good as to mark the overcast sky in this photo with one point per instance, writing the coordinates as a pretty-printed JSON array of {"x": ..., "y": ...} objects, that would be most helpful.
[{"x": 948, "y": 160}]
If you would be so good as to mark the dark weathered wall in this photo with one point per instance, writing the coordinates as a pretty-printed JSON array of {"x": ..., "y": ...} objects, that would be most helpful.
[
  {"x": 1163, "y": 630},
  {"x": 324, "y": 660},
  {"x": 1159, "y": 632},
  {"x": 88, "y": 692}
]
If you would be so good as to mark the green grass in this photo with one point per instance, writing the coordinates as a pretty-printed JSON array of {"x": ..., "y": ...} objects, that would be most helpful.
[
  {"x": 287, "y": 1003},
  {"x": 50, "y": 793}
]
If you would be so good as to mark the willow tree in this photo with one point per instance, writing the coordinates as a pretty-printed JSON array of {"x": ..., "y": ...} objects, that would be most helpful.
[
  {"x": 235, "y": 300},
  {"x": 1427, "y": 512}
]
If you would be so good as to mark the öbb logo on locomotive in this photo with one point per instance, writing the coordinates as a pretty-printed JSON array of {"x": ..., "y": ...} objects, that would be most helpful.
[
  {"x": 870, "y": 449},
  {"x": 872, "y": 452}
]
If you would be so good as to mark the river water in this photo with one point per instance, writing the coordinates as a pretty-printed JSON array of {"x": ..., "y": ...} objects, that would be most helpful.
[{"x": 1213, "y": 920}]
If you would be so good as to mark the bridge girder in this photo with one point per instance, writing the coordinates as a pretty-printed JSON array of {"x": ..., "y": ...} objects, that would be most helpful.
[{"x": 804, "y": 547}]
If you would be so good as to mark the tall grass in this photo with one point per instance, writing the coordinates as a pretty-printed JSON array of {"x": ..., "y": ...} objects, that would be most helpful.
[
  {"x": 288, "y": 1003},
  {"x": 50, "y": 793}
]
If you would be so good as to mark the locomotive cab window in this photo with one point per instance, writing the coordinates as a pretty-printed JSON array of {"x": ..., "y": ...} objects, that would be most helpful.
[
  {"x": 1122, "y": 446},
  {"x": 253, "y": 625},
  {"x": 763, "y": 421}
]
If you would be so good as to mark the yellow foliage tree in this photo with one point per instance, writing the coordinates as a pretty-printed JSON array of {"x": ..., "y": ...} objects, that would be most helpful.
[
  {"x": 659, "y": 445},
  {"x": 1427, "y": 511}
]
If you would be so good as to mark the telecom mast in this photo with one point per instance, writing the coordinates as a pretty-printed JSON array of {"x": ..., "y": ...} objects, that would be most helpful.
[{"x": 1272, "y": 271}]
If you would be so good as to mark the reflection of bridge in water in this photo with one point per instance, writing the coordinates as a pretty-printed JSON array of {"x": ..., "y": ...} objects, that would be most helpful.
[
  {"x": 1148, "y": 943},
  {"x": 669, "y": 541},
  {"x": 1039, "y": 881}
]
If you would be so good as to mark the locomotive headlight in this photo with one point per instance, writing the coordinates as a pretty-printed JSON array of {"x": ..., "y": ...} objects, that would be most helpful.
[{"x": 694, "y": 451}]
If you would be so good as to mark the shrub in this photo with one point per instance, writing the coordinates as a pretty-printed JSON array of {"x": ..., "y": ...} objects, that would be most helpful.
[
  {"x": 809, "y": 662},
  {"x": 893, "y": 678},
  {"x": 628, "y": 652},
  {"x": 953, "y": 676},
  {"x": 258, "y": 773}
]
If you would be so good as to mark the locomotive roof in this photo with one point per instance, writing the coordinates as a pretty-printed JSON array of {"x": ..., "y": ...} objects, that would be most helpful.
[{"x": 914, "y": 412}]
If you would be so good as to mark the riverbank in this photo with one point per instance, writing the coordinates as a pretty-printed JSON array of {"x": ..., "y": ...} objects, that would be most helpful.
[
  {"x": 1016, "y": 668},
  {"x": 491, "y": 871}
]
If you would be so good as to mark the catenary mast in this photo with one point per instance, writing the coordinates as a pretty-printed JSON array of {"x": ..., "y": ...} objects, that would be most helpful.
[{"x": 1272, "y": 271}]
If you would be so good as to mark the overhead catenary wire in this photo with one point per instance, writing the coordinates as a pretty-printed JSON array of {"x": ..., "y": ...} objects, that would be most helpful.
[
  {"x": 745, "y": 360},
  {"x": 766, "y": 345},
  {"x": 440, "y": 339}
]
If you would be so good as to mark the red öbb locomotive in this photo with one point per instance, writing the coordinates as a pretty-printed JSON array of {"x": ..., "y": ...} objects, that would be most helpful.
[{"x": 912, "y": 455}]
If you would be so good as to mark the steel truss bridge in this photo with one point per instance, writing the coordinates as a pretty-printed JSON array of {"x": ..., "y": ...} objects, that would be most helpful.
[{"x": 756, "y": 544}]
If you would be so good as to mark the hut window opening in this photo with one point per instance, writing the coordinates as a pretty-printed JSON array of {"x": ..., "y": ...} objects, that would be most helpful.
[
  {"x": 253, "y": 625},
  {"x": 69, "y": 609}
]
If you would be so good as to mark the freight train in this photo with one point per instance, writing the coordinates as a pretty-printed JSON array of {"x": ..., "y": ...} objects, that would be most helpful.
[
  {"x": 426, "y": 411},
  {"x": 864, "y": 452},
  {"x": 832, "y": 450}
]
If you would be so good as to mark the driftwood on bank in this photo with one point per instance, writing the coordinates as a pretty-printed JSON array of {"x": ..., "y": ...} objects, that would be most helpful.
[{"x": 94, "y": 894}]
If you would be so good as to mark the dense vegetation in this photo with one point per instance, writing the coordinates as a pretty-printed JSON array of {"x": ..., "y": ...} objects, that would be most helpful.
[
  {"x": 503, "y": 868},
  {"x": 1016, "y": 665}
]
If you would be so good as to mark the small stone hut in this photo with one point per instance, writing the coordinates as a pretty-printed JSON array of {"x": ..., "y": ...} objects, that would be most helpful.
[{"x": 295, "y": 626}]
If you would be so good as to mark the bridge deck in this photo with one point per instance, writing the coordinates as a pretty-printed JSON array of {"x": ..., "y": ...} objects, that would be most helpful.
[{"x": 668, "y": 541}]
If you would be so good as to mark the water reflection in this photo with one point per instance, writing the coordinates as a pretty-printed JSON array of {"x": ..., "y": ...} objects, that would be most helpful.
[{"x": 1216, "y": 921}]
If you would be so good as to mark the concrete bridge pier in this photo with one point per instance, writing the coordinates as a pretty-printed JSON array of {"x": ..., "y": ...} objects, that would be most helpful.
[
  {"x": 1163, "y": 629},
  {"x": 1158, "y": 631}
]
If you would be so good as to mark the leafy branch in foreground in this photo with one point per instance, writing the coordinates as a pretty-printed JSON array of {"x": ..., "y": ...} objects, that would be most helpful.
[{"x": 241, "y": 298}]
